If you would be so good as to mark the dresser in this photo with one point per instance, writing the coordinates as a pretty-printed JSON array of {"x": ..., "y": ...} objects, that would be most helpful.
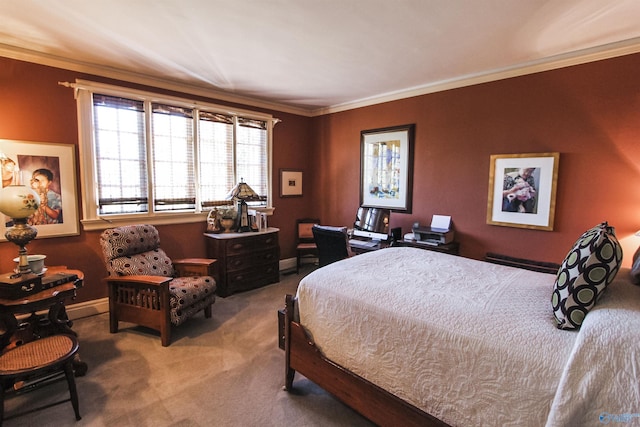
[{"x": 245, "y": 260}]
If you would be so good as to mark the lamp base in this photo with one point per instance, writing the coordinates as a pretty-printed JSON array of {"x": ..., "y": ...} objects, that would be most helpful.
[{"x": 21, "y": 234}]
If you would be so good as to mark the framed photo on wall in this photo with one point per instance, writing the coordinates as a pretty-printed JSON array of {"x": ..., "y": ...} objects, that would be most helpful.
[
  {"x": 386, "y": 168},
  {"x": 290, "y": 183},
  {"x": 50, "y": 170},
  {"x": 522, "y": 190}
]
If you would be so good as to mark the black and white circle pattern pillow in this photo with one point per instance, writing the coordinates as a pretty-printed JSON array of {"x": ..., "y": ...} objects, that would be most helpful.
[{"x": 588, "y": 268}]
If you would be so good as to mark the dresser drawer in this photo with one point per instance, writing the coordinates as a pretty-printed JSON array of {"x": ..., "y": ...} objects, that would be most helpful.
[
  {"x": 252, "y": 243},
  {"x": 253, "y": 278},
  {"x": 249, "y": 260}
]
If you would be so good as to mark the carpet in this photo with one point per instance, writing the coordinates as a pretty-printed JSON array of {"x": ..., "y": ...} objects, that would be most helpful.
[{"x": 224, "y": 371}]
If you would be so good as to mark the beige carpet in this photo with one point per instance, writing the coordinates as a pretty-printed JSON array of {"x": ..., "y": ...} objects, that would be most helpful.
[{"x": 224, "y": 371}]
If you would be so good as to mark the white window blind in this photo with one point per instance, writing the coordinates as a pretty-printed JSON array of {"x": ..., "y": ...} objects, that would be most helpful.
[
  {"x": 216, "y": 157},
  {"x": 146, "y": 155},
  {"x": 251, "y": 149},
  {"x": 121, "y": 155},
  {"x": 173, "y": 166}
]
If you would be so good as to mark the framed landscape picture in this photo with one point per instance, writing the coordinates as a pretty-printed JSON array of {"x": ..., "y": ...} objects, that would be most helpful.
[
  {"x": 522, "y": 190},
  {"x": 386, "y": 168}
]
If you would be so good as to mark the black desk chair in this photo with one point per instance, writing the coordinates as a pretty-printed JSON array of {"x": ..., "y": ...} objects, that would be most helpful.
[{"x": 332, "y": 242}]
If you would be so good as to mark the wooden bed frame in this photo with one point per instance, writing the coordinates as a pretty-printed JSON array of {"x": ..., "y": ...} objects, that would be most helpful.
[
  {"x": 371, "y": 401},
  {"x": 376, "y": 404}
]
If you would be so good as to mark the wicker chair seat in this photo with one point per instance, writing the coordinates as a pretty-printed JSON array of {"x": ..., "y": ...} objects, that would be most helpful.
[{"x": 37, "y": 359}]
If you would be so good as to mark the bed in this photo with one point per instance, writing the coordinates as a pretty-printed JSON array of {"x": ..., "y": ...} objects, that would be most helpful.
[{"x": 435, "y": 339}]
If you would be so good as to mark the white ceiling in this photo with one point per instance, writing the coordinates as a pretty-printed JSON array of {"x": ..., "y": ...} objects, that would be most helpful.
[{"x": 315, "y": 56}]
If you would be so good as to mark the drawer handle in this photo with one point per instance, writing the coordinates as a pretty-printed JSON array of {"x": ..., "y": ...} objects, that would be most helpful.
[{"x": 28, "y": 287}]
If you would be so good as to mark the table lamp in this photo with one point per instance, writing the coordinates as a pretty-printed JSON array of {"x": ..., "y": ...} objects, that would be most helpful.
[
  {"x": 19, "y": 202},
  {"x": 243, "y": 193}
]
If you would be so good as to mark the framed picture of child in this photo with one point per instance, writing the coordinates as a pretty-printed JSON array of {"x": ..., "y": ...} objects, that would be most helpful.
[
  {"x": 522, "y": 190},
  {"x": 49, "y": 169}
]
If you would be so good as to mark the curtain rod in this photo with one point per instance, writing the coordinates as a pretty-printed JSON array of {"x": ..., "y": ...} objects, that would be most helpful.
[{"x": 92, "y": 86}]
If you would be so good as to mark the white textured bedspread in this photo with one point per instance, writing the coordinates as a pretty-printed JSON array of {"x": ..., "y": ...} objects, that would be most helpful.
[{"x": 469, "y": 342}]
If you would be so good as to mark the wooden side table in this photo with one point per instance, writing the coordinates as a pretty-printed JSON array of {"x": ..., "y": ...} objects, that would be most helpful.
[{"x": 55, "y": 321}]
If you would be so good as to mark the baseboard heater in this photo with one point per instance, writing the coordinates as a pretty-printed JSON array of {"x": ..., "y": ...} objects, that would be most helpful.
[{"x": 527, "y": 264}]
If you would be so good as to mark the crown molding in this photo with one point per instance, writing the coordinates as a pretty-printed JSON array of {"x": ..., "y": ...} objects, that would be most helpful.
[
  {"x": 143, "y": 79},
  {"x": 612, "y": 50}
]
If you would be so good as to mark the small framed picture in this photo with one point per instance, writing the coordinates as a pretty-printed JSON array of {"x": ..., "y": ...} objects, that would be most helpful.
[
  {"x": 522, "y": 190},
  {"x": 290, "y": 183}
]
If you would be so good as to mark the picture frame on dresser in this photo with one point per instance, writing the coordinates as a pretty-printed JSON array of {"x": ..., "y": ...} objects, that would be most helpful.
[
  {"x": 386, "y": 167},
  {"x": 40, "y": 164},
  {"x": 522, "y": 190}
]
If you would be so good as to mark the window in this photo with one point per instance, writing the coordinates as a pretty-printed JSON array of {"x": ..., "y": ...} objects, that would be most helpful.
[{"x": 165, "y": 158}]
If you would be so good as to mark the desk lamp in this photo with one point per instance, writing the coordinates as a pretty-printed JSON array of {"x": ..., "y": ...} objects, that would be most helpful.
[
  {"x": 19, "y": 202},
  {"x": 242, "y": 193}
]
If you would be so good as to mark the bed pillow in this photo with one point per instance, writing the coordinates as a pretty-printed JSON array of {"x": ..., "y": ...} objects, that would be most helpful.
[
  {"x": 590, "y": 265},
  {"x": 635, "y": 268}
]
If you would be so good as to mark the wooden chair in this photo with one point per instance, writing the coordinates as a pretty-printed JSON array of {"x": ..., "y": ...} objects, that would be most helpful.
[
  {"x": 305, "y": 243},
  {"x": 38, "y": 362},
  {"x": 149, "y": 289},
  {"x": 333, "y": 243}
]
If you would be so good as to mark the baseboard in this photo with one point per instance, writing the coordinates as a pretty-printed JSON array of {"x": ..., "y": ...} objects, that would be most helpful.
[
  {"x": 99, "y": 306},
  {"x": 87, "y": 308},
  {"x": 287, "y": 264}
]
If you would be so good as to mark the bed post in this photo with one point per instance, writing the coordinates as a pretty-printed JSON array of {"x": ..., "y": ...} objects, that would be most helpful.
[{"x": 288, "y": 317}]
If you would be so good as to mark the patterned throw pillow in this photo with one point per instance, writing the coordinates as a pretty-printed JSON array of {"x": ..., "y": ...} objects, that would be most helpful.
[
  {"x": 635, "y": 268},
  {"x": 588, "y": 268}
]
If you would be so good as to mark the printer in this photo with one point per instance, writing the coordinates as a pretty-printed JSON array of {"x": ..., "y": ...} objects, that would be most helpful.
[{"x": 439, "y": 233}]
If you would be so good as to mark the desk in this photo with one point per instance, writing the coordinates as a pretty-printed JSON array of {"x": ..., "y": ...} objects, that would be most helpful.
[
  {"x": 39, "y": 325},
  {"x": 452, "y": 248},
  {"x": 358, "y": 249}
]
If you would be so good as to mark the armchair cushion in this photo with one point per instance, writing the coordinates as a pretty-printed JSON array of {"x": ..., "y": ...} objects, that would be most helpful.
[
  {"x": 189, "y": 295},
  {"x": 135, "y": 250},
  {"x": 152, "y": 263},
  {"x": 129, "y": 240}
]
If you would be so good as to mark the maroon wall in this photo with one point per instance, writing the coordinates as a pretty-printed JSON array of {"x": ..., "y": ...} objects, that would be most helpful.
[
  {"x": 35, "y": 108},
  {"x": 589, "y": 113}
]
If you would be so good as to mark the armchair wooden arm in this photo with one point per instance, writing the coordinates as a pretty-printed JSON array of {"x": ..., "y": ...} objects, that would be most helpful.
[
  {"x": 195, "y": 267},
  {"x": 146, "y": 280}
]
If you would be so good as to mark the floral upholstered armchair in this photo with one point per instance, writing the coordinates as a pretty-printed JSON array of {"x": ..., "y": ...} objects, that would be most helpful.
[{"x": 147, "y": 288}]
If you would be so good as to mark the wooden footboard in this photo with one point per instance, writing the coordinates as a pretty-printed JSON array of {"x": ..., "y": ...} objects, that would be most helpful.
[{"x": 376, "y": 404}]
